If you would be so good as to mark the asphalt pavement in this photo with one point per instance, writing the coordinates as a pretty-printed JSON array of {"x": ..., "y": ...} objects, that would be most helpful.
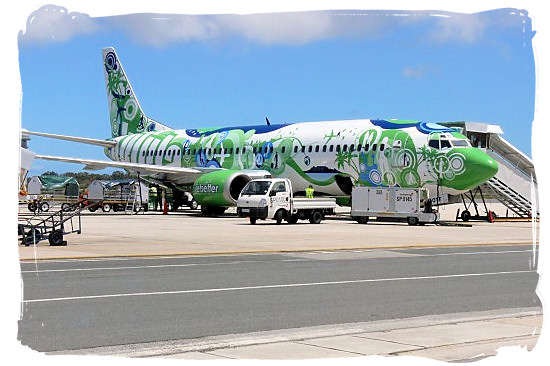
[{"x": 93, "y": 304}]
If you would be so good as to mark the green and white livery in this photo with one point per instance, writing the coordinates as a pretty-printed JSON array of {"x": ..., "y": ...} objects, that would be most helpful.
[{"x": 332, "y": 156}]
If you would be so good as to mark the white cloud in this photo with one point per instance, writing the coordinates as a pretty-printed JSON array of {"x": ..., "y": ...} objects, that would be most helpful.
[
  {"x": 466, "y": 28},
  {"x": 419, "y": 71},
  {"x": 55, "y": 23},
  {"x": 272, "y": 28}
]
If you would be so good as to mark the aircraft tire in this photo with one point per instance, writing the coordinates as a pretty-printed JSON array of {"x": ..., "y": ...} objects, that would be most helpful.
[
  {"x": 252, "y": 221},
  {"x": 466, "y": 216},
  {"x": 361, "y": 219}
]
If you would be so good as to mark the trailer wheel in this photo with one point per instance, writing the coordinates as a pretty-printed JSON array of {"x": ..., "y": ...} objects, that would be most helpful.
[
  {"x": 33, "y": 236},
  {"x": 362, "y": 219},
  {"x": 65, "y": 207},
  {"x": 56, "y": 238},
  {"x": 106, "y": 207},
  {"x": 413, "y": 221},
  {"x": 316, "y": 217},
  {"x": 44, "y": 207},
  {"x": 466, "y": 216},
  {"x": 193, "y": 205},
  {"x": 32, "y": 206},
  {"x": 252, "y": 221}
]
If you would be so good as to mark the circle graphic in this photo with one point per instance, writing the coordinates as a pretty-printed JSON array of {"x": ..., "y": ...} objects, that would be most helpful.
[
  {"x": 375, "y": 177},
  {"x": 457, "y": 163}
]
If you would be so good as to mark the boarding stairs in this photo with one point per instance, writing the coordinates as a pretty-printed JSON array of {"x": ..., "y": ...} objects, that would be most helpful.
[{"x": 514, "y": 185}]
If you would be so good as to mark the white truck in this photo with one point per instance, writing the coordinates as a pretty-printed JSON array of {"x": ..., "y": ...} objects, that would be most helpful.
[
  {"x": 273, "y": 198},
  {"x": 410, "y": 204}
]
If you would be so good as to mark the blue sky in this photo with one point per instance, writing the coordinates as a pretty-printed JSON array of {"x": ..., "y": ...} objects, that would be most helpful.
[{"x": 193, "y": 71}]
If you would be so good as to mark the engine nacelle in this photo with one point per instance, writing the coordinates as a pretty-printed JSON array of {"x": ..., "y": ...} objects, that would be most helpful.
[{"x": 220, "y": 188}]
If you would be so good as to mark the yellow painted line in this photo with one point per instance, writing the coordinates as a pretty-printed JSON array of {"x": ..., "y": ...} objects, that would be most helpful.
[{"x": 274, "y": 251}]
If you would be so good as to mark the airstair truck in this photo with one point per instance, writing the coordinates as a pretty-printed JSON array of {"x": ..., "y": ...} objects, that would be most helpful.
[
  {"x": 273, "y": 198},
  {"x": 410, "y": 204}
]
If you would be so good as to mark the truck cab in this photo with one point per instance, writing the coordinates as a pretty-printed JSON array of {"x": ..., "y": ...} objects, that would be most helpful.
[{"x": 265, "y": 198}]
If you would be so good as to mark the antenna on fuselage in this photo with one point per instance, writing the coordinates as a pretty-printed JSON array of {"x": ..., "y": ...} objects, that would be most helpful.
[{"x": 268, "y": 123}]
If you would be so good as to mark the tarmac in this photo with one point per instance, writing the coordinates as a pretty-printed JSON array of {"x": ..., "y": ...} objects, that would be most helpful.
[
  {"x": 453, "y": 337},
  {"x": 188, "y": 233}
]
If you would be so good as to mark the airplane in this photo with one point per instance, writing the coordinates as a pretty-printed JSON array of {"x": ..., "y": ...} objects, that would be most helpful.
[{"x": 214, "y": 164}]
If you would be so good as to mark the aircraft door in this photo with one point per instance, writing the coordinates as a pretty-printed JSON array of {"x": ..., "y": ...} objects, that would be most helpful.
[{"x": 280, "y": 196}]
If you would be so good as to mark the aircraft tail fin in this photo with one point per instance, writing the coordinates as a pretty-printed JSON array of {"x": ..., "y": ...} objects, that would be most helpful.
[{"x": 125, "y": 113}]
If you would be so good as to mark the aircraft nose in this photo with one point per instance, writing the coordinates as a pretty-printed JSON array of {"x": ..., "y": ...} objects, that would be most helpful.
[{"x": 480, "y": 167}]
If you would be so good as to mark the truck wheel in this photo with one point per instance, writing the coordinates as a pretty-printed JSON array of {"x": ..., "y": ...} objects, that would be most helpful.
[
  {"x": 292, "y": 219},
  {"x": 32, "y": 206},
  {"x": 65, "y": 207},
  {"x": 106, "y": 207},
  {"x": 413, "y": 221},
  {"x": 252, "y": 221},
  {"x": 316, "y": 217},
  {"x": 362, "y": 219},
  {"x": 193, "y": 205},
  {"x": 466, "y": 216},
  {"x": 279, "y": 215},
  {"x": 56, "y": 238}
]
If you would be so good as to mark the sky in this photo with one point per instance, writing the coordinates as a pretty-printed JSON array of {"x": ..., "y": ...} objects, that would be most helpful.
[{"x": 192, "y": 71}]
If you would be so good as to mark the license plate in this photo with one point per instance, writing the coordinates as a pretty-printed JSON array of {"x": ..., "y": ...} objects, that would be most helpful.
[{"x": 245, "y": 210}]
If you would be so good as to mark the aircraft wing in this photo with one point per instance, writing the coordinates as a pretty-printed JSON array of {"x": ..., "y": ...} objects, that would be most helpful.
[
  {"x": 84, "y": 140},
  {"x": 141, "y": 168}
]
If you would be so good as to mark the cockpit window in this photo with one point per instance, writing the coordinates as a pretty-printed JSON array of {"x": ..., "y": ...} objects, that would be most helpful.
[
  {"x": 460, "y": 143},
  {"x": 434, "y": 144},
  {"x": 445, "y": 144}
]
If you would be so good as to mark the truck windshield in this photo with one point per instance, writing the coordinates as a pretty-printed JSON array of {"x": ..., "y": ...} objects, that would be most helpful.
[{"x": 256, "y": 187}]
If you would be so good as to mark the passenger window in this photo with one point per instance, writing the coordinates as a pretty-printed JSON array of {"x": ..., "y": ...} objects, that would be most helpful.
[
  {"x": 316, "y": 148},
  {"x": 310, "y": 148},
  {"x": 352, "y": 147},
  {"x": 374, "y": 147},
  {"x": 324, "y": 148},
  {"x": 337, "y": 147},
  {"x": 230, "y": 151},
  {"x": 283, "y": 149},
  {"x": 331, "y": 148},
  {"x": 254, "y": 150},
  {"x": 303, "y": 149},
  {"x": 345, "y": 148},
  {"x": 359, "y": 147},
  {"x": 367, "y": 146},
  {"x": 237, "y": 151},
  {"x": 271, "y": 149},
  {"x": 382, "y": 147},
  {"x": 295, "y": 149}
]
